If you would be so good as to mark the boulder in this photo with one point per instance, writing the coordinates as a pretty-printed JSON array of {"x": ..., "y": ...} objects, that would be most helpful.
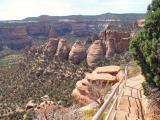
[
  {"x": 81, "y": 97},
  {"x": 102, "y": 78},
  {"x": 63, "y": 50},
  {"x": 96, "y": 52},
  {"x": 82, "y": 85},
  {"x": 108, "y": 69},
  {"x": 30, "y": 105},
  {"x": 120, "y": 75},
  {"x": 77, "y": 53}
]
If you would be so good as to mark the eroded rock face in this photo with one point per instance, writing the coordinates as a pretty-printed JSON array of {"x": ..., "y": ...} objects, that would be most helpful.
[
  {"x": 36, "y": 29},
  {"x": 85, "y": 89},
  {"x": 108, "y": 69},
  {"x": 96, "y": 52},
  {"x": 77, "y": 53},
  {"x": 115, "y": 41},
  {"x": 15, "y": 37},
  {"x": 63, "y": 50},
  {"x": 104, "y": 78},
  {"x": 51, "y": 47},
  {"x": 80, "y": 30}
]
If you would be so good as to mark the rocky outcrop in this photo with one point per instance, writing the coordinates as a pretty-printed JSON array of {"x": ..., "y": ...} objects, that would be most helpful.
[
  {"x": 41, "y": 111},
  {"x": 63, "y": 50},
  {"x": 77, "y": 53},
  {"x": 15, "y": 37},
  {"x": 108, "y": 69},
  {"x": 51, "y": 47},
  {"x": 96, "y": 52},
  {"x": 81, "y": 92},
  {"x": 115, "y": 41},
  {"x": 101, "y": 76}
]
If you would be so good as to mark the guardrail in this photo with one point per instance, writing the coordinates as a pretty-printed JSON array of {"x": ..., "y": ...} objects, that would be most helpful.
[{"x": 114, "y": 98}]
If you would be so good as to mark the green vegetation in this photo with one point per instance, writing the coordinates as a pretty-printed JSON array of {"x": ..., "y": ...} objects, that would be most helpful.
[
  {"x": 145, "y": 47},
  {"x": 90, "y": 113},
  {"x": 21, "y": 80}
]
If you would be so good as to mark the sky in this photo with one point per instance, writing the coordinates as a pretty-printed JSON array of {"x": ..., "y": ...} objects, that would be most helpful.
[{"x": 20, "y": 9}]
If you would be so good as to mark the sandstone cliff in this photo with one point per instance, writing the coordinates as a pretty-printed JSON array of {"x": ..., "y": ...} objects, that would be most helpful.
[
  {"x": 115, "y": 41},
  {"x": 15, "y": 37}
]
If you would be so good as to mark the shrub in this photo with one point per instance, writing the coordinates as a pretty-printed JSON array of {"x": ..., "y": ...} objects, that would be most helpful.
[{"x": 145, "y": 47}]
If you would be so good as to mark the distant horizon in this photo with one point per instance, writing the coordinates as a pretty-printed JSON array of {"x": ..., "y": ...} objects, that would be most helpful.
[
  {"x": 69, "y": 15},
  {"x": 21, "y": 9}
]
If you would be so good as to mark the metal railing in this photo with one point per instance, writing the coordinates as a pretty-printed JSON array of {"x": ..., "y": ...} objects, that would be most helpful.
[{"x": 113, "y": 100}]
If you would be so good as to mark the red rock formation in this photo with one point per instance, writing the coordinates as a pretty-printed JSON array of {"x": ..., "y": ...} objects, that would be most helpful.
[
  {"x": 108, "y": 69},
  {"x": 51, "y": 47},
  {"x": 120, "y": 75},
  {"x": 96, "y": 52},
  {"x": 100, "y": 76},
  {"x": 77, "y": 53},
  {"x": 63, "y": 50},
  {"x": 15, "y": 37},
  {"x": 115, "y": 41}
]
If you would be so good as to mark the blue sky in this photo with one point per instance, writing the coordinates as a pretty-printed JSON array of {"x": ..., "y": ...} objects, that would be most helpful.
[{"x": 19, "y": 9}]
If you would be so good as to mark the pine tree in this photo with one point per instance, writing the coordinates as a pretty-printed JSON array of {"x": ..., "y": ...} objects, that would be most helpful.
[{"x": 145, "y": 47}]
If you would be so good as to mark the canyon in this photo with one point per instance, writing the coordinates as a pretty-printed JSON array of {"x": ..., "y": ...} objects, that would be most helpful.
[{"x": 20, "y": 34}]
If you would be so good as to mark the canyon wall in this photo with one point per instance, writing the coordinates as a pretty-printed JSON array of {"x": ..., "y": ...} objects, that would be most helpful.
[
  {"x": 15, "y": 37},
  {"x": 115, "y": 41}
]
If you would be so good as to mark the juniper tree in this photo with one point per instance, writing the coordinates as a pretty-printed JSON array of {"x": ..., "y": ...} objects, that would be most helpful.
[{"x": 145, "y": 47}]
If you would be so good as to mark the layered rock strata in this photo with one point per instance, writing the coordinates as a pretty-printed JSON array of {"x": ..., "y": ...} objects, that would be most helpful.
[
  {"x": 63, "y": 50},
  {"x": 115, "y": 41},
  {"x": 15, "y": 37},
  {"x": 100, "y": 76},
  {"x": 77, "y": 53},
  {"x": 96, "y": 52}
]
